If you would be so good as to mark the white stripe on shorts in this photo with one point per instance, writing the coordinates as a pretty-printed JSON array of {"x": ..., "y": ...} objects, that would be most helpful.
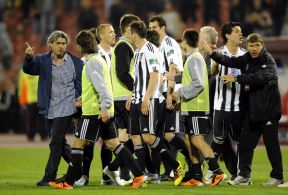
[{"x": 84, "y": 128}]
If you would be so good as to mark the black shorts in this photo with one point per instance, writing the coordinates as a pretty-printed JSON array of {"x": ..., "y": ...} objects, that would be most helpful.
[
  {"x": 174, "y": 122},
  {"x": 160, "y": 126},
  {"x": 196, "y": 125},
  {"x": 121, "y": 114},
  {"x": 141, "y": 124},
  {"x": 227, "y": 122},
  {"x": 91, "y": 128}
]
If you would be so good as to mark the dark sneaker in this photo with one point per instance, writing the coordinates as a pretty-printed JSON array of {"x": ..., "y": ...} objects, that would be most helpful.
[
  {"x": 108, "y": 182},
  {"x": 43, "y": 183},
  {"x": 165, "y": 177},
  {"x": 61, "y": 178}
]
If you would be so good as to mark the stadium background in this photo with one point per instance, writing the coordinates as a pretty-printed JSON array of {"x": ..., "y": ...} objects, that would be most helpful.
[
  {"x": 33, "y": 20},
  {"x": 22, "y": 162}
]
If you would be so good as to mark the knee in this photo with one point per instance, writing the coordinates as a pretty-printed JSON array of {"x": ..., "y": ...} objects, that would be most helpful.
[
  {"x": 79, "y": 143},
  {"x": 198, "y": 142},
  {"x": 136, "y": 139},
  {"x": 169, "y": 136},
  {"x": 149, "y": 139},
  {"x": 112, "y": 143}
]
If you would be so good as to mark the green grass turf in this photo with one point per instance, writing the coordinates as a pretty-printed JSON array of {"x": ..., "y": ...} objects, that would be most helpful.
[{"x": 21, "y": 168}]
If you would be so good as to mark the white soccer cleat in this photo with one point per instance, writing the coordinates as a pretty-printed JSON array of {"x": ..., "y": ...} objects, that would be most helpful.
[{"x": 83, "y": 181}]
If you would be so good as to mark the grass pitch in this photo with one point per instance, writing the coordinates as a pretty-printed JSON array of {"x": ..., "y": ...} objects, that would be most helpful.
[{"x": 21, "y": 168}]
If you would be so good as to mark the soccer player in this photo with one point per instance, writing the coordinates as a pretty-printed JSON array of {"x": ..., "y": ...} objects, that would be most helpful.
[
  {"x": 122, "y": 60},
  {"x": 172, "y": 55},
  {"x": 145, "y": 98},
  {"x": 227, "y": 118},
  {"x": 97, "y": 117},
  {"x": 195, "y": 106},
  {"x": 105, "y": 36}
]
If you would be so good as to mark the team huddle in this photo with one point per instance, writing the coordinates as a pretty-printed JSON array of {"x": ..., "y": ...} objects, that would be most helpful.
[{"x": 148, "y": 97}]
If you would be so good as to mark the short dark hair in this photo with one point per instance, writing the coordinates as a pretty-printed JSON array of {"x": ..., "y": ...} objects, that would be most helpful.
[
  {"x": 191, "y": 36},
  {"x": 126, "y": 20},
  {"x": 158, "y": 18},
  {"x": 153, "y": 37},
  {"x": 227, "y": 29},
  {"x": 87, "y": 42},
  {"x": 255, "y": 37},
  {"x": 139, "y": 28}
]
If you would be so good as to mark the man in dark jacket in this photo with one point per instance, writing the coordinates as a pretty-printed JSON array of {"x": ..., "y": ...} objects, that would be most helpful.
[
  {"x": 264, "y": 107},
  {"x": 59, "y": 86}
]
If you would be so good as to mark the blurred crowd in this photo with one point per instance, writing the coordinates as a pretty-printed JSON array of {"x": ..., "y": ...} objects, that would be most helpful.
[{"x": 34, "y": 20}]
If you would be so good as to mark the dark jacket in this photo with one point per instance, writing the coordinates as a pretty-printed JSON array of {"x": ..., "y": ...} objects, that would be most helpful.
[
  {"x": 261, "y": 75},
  {"x": 42, "y": 65}
]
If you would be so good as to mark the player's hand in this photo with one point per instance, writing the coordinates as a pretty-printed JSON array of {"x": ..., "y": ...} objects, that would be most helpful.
[
  {"x": 104, "y": 115},
  {"x": 145, "y": 106},
  {"x": 172, "y": 66},
  {"x": 128, "y": 103},
  {"x": 228, "y": 78},
  {"x": 79, "y": 101},
  {"x": 29, "y": 52},
  {"x": 175, "y": 96},
  {"x": 169, "y": 103}
]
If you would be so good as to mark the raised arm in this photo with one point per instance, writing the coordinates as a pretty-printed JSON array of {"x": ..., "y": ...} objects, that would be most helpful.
[{"x": 31, "y": 65}]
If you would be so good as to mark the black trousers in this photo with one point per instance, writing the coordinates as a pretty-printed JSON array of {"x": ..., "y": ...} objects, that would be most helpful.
[
  {"x": 249, "y": 139},
  {"x": 57, "y": 129}
]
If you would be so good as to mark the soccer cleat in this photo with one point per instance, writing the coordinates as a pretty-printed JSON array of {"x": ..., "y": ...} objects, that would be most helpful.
[
  {"x": 61, "y": 185},
  {"x": 232, "y": 178},
  {"x": 138, "y": 181},
  {"x": 273, "y": 182},
  {"x": 284, "y": 185},
  {"x": 178, "y": 174},
  {"x": 107, "y": 182},
  {"x": 217, "y": 179},
  {"x": 126, "y": 182},
  {"x": 165, "y": 177},
  {"x": 192, "y": 182},
  {"x": 208, "y": 177},
  {"x": 153, "y": 178},
  {"x": 239, "y": 180},
  {"x": 83, "y": 181},
  {"x": 115, "y": 176}
]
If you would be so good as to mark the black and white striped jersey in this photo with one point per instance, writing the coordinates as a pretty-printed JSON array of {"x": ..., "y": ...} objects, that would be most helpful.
[
  {"x": 105, "y": 55},
  {"x": 227, "y": 96},
  {"x": 147, "y": 60},
  {"x": 172, "y": 53}
]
